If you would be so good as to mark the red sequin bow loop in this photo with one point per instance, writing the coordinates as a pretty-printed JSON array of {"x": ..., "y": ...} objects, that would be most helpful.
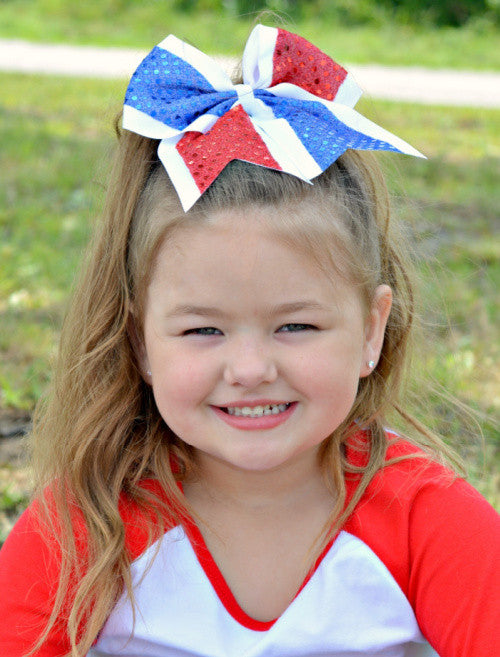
[{"x": 294, "y": 111}]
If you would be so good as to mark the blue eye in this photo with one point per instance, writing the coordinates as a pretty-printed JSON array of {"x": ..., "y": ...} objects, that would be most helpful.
[
  {"x": 294, "y": 328},
  {"x": 203, "y": 330}
]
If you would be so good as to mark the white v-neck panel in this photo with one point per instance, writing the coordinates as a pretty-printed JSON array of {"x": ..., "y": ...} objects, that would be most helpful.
[{"x": 351, "y": 606}]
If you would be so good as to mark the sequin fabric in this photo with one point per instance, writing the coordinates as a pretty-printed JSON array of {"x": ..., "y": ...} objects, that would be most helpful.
[
  {"x": 172, "y": 91},
  {"x": 299, "y": 62},
  {"x": 232, "y": 137},
  {"x": 179, "y": 96},
  {"x": 324, "y": 136}
]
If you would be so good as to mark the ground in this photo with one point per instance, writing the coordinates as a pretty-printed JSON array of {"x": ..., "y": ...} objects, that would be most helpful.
[{"x": 14, "y": 472}]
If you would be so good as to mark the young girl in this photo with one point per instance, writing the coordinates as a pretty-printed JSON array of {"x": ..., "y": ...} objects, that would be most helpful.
[{"x": 215, "y": 475}]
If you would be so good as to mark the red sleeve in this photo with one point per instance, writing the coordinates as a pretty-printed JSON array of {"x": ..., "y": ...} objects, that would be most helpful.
[
  {"x": 440, "y": 540},
  {"x": 29, "y": 577},
  {"x": 29, "y": 573},
  {"x": 454, "y": 578}
]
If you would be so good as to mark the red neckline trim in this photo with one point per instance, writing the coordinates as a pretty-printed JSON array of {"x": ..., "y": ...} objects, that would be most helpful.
[
  {"x": 221, "y": 587},
  {"x": 356, "y": 452}
]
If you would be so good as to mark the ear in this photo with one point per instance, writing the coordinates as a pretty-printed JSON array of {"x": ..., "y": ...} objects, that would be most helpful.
[
  {"x": 375, "y": 327},
  {"x": 139, "y": 348}
]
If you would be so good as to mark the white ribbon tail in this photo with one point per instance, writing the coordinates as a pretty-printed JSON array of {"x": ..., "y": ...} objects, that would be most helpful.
[
  {"x": 349, "y": 92},
  {"x": 347, "y": 115},
  {"x": 204, "y": 64},
  {"x": 280, "y": 139},
  {"x": 178, "y": 172},
  {"x": 286, "y": 148},
  {"x": 202, "y": 124},
  {"x": 143, "y": 124},
  {"x": 357, "y": 121}
]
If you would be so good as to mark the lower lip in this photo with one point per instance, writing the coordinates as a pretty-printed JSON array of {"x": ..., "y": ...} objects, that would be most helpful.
[{"x": 255, "y": 423}]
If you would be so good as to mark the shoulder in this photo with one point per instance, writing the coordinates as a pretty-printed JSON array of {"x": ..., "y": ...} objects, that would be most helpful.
[
  {"x": 440, "y": 540},
  {"x": 40, "y": 524},
  {"x": 30, "y": 568},
  {"x": 29, "y": 571},
  {"x": 32, "y": 554},
  {"x": 414, "y": 506},
  {"x": 30, "y": 540},
  {"x": 407, "y": 470},
  {"x": 147, "y": 520}
]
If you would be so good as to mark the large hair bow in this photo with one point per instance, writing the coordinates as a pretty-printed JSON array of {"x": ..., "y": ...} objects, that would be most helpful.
[{"x": 293, "y": 112}]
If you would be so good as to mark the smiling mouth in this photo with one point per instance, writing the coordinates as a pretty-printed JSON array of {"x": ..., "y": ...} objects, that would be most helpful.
[{"x": 256, "y": 411}]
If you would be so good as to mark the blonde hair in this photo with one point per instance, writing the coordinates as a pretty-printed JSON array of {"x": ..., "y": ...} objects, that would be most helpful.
[{"x": 99, "y": 434}]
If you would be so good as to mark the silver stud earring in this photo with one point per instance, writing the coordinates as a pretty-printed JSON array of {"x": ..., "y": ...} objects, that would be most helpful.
[
  {"x": 148, "y": 372},
  {"x": 371, "y": 364}
]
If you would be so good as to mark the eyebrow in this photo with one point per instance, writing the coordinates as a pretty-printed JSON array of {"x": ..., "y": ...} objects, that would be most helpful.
[
  {"x": 202, "y": 311},
  {"x": 212, "y": 311},
  {"x": 296, "y": 306}
]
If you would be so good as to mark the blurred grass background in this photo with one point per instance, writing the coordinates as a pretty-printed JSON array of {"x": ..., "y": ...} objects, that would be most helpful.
[
  {"x": 446, "y": 33},
  {"x": 56, "y": 136}
]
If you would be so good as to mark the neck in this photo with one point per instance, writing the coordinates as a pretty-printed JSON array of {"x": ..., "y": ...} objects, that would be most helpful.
[{"x": 293, "y": 483}]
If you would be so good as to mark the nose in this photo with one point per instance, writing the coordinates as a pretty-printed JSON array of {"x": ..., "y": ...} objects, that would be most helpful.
[{"x": 249, "y": 363}]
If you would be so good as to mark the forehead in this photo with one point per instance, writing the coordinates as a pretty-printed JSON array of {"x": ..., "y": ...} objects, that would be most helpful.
[
  {"x": 234, "y": 243},
  {"x": 315, "y": 232},
  {"x": 233, "y": 254}
]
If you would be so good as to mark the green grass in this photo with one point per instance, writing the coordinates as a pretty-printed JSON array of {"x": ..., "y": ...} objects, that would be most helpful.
[
  {"x": 142, "y": 24},
  {"x": 56, "y": 135}
]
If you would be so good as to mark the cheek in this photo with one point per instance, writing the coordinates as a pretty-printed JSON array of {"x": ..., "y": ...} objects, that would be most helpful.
[
  {"x": 176, "y": 394},
  {"x": 331, "y": 378},
  {"x": 180, "y": 379},
  {"x": 335, "y": 361}
]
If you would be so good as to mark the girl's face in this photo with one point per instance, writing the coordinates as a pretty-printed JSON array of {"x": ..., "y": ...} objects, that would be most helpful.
[{"x": 255, "y": 354}]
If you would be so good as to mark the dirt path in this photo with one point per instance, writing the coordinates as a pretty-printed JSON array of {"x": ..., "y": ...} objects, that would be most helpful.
[{"x": 428, "y": 86}]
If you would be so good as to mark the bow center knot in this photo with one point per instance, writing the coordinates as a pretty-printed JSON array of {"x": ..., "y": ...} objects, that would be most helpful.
[{"x": 246, "y": 97}]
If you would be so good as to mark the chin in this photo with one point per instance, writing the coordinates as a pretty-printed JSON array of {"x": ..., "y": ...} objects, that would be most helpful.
[
  {"x": 249, "y": 462},
  {"x": 262, "y": 462}
]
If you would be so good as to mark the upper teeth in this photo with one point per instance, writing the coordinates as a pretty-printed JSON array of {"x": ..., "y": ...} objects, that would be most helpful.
[{"x": 257, "y": 411}]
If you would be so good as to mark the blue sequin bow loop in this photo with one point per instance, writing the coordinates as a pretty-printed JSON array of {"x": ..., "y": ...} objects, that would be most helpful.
[{"x": 293, "y": 112}]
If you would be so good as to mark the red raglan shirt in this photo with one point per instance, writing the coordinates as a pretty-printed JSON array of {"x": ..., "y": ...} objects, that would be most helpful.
[{"x": 415, "y": 572}]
